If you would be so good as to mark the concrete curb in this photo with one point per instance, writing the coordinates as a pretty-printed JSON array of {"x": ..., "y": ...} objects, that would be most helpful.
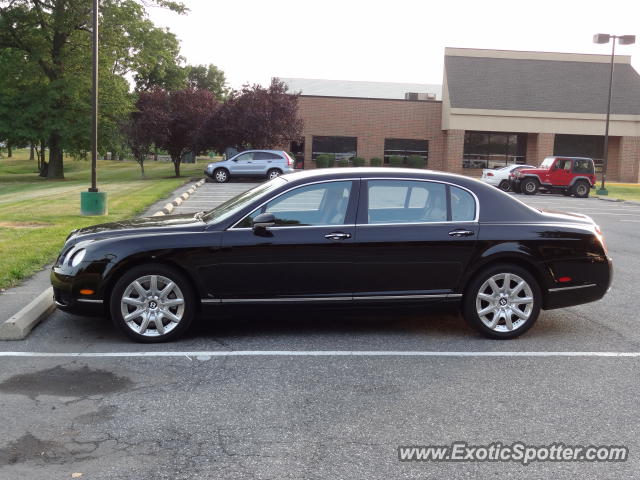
[
  {"x": 610, "y": 199},
  {"x": 168, "y": 208},
  {"x": 18, "y": 326}
]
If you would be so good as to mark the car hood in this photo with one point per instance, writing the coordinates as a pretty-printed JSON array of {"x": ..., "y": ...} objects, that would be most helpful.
[
  {"x": 566, "y": 217},
  {"x": 138, "y": 226}
]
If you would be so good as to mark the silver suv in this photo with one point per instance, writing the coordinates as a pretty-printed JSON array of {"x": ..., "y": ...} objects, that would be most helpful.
[{"x": 251, "y": 163}]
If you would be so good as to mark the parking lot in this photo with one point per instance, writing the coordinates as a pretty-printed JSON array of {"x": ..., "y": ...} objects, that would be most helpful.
[{"x": 297, "y": 394}]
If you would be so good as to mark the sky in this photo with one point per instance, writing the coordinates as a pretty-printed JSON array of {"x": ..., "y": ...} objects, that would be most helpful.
[{"x": 387, "y": 41}]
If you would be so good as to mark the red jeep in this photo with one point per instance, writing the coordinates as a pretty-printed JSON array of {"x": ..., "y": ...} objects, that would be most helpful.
[{"x": 566, "y": 175}]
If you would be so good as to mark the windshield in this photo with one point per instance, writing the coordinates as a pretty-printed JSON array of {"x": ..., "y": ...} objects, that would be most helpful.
[
  {"x": 237, "y": 203},
  {"x": 547, "y": 162}
]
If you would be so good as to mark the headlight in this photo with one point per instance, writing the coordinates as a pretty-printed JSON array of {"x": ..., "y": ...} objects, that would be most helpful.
[{"x": 77, "y": 257}]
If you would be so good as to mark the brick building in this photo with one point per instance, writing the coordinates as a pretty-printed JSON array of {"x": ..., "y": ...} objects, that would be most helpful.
[{"x": 494, "y": 107}]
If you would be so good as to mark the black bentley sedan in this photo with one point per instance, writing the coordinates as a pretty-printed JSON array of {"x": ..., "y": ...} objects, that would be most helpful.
[{"x": 344, "y": 236}]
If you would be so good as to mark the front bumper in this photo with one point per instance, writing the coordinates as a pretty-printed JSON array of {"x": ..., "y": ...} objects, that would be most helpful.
[{"x": 67, "y": 284}]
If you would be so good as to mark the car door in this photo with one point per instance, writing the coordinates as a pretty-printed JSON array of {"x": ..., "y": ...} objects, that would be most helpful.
[
  {"x": 414, "y": 238},
  {"x": 267, "y": 160},
  {"x": 308, "y": 254},
  {"x": 243, "y": 164},
  {"x": 560, "y": 172}
]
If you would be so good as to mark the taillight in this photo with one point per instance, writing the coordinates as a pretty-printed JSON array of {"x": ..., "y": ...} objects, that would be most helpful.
[
  {"x": 601, "y": 238},
  {"x": 289, "y": 159},
  {"x": 489, "y": 174}
]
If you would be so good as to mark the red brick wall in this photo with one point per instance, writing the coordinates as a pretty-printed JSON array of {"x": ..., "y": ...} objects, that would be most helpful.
[
  {"x": 628, "y": 168},
  {"x": 372, "y": 121},
  {"x": 539, "y": 145}
]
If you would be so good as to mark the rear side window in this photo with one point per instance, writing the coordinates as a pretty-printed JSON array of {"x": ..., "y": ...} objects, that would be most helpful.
[
  {"x": 266, "y": 156},
  {"x": 406, "y": 201},
  {"x": 463, "y": 205},
  {"x": 583, "y": 166}
]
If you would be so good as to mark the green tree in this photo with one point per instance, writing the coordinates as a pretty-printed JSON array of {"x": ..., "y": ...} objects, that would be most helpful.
[
  {"x": 207, "y": 77},
  {"x": 53, "y": 41}
]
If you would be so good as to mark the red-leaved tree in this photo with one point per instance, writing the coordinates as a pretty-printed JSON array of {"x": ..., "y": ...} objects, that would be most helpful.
[
  {"x": 187, "y": 111},
  {"x": 147, "y": 124},
  {"x": 255, "y": 117}
]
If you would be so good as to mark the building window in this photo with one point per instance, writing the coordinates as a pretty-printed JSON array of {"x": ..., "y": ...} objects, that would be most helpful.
[
  {"x": 493, "y": 149},
  {"x": 341, "y": 147},
  {"x": 405, "y": 147},
  {"x": 591, "y": 146}
]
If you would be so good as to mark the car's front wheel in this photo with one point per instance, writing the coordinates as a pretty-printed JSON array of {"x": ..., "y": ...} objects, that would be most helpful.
[
  {"x": 221, "y": 175},
  {"x": 152, "y": 303},
  {"x": 502, "y": 301},
  {"x": 529, "y": 186}
]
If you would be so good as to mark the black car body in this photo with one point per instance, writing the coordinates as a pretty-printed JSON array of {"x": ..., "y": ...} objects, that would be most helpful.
[{"x": 341, "y": 236}]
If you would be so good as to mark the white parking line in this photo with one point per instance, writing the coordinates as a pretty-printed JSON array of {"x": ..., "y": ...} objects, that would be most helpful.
[{"x": 314, "y": 353}]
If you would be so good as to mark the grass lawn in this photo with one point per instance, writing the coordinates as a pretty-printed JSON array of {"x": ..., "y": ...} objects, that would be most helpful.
[
  {"x": 36, "y": 215},
  {"x": 624, "y": 191}
]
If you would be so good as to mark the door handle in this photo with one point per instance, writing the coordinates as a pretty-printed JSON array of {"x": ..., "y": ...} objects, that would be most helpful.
[
  {"x": 460, "y": 233},
  {"x": 337, "y": 236}
]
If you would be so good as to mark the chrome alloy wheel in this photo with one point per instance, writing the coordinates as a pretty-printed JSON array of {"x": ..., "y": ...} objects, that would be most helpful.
[
  {"x": 273, "y": 174},
  {"x": 530, "y": 187},
  {"x": 504, "y": 302},
  {"x": 152, "y": 305},
  {"x": 221, "y": 175}
]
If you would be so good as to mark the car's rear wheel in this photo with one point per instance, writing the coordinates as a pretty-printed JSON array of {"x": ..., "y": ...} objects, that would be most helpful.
[
  {"x": 152, "y": 303},
  {"x": 221, "y": 175},
  {"x": 502, "y": 301},
  {"x": 273, "y": 173},
  {"x": 580, "y": 189},
  {"x": 505, "y": 186},
  {"x": 529, "y": 186}
]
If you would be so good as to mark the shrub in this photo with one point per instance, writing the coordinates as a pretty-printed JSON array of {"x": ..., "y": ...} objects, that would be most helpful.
[
  {"x": 332, "y": 160},
  {"x": 358, "y": 162},
  {"x": 375, "y": 162},
  {"x": 343, "y": 162},
  {"x": 416, "y": 161},
  {"x": 396, "y": 161},
  {"x": 322, "y": 161}
]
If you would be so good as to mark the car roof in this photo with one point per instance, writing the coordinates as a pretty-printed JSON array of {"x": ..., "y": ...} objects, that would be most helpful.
[
  {"x": 377, "y": 172},
  {"x": 569, "y": 158},
  {"x": 259, "y": 150}
]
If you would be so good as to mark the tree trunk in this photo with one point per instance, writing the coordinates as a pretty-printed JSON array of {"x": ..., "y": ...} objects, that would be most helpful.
[
  {"x": 155, "y": 154},
  {"x": 176, "y": 165},
  {"x": 9, "y": 151},
  {"x": 31, "y": 151},
  {"x": 55, "y": 168}
]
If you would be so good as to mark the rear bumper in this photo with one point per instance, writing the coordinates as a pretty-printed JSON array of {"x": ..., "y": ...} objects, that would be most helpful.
[{"x": 568, "y": 296}]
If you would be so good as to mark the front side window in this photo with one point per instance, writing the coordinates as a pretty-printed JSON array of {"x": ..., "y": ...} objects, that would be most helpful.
[
  {"x": 245, "y": 157},
  {"x": 319, "y": 204},
  {"x": 406, "y": 201}
]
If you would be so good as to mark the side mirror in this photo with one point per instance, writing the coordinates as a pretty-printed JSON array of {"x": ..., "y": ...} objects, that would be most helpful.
[{"x": 263, "y": 221}]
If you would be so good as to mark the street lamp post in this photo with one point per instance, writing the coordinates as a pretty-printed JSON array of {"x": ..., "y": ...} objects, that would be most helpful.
[
  {"x": 623, "y": 40},
  {"x": 94, "y": 202}
]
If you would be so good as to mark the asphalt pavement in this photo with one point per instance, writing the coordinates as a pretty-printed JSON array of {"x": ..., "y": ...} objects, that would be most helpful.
[{"x": 291, "y": 394}]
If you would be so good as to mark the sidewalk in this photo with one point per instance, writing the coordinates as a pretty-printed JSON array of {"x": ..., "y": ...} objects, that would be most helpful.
[{"x": 13, "y": 300}]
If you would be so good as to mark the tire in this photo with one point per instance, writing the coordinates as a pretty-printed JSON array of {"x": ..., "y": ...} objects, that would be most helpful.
[
  {"x": 505, "y": 186},
  {"x": 498, "y": 305},
  {"x": 580, "y": 189},
  {"x": 274, "y": 173},
  {"x": 221, "y": 175},
  {"x": 149, "y": 303},
  {"x": 529, "y": 186}
]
